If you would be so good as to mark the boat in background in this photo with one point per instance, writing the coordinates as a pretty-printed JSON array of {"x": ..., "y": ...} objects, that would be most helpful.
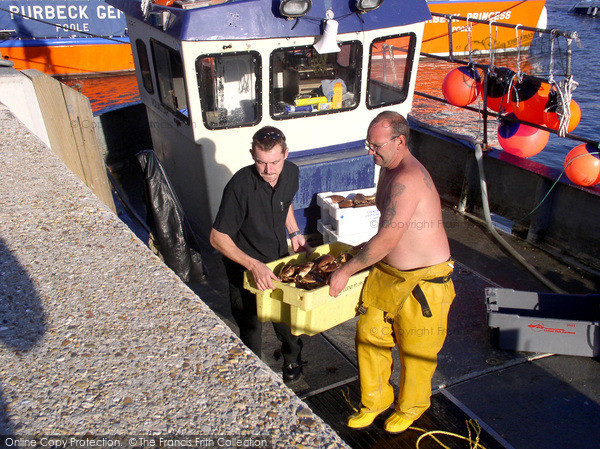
[
  {"x": 528, "y": 13},
  {"x": 65, "y": 37},
  {"x": 587, "y": 8},
  {"x": 90, "y": 37}
]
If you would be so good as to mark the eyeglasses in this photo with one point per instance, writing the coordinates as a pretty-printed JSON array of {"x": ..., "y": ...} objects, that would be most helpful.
[
  {"x": 272, "y": 135},
  {"x": 376, "y": 148}
]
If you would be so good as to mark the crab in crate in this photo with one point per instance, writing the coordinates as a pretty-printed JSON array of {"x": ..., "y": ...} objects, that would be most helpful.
[
  {"x": 312, "y": 274},
  {"x": 358, "y": 200}
]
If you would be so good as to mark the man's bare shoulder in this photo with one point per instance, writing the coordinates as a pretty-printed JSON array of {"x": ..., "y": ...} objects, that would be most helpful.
[{"x": 412, "y": 174}]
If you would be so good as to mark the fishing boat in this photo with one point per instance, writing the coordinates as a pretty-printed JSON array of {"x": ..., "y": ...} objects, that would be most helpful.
[
  {"x": 209, "y": 83},
  {"x": 65, "y": 37},
  {"x": 586, "y": 8},
  {"x": 211, "y": 75},
  {"x": 479, "y": 37}
]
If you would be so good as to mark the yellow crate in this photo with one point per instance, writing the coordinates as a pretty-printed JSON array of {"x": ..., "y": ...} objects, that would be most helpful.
[{"x": 307, "y": 311}]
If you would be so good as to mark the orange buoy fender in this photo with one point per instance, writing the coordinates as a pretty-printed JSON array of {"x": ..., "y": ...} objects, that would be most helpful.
[
  {"x": 460, "y": 86},
  {"x": 551, "y": 119},
  {"x": 521, "y": 140},
  {"x": 581, "y": 167},
  {"x": 498, "y": 84},
  {"x": 528, "y": 99}
]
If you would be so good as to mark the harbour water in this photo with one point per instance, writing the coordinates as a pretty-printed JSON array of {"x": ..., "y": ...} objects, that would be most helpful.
[
  {"x": 106, "y": 92},
  {"x": 111, "y": 91}
]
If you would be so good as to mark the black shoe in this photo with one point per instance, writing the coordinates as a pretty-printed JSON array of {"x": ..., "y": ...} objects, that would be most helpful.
[{"x": 292, "y": 372}]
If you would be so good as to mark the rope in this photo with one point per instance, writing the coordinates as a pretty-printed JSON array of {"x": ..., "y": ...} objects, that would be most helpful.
[
  {"x": 470, "y": 38},
  {"x": 564, "y": 90},
  {"x": 346, "y": 395},
  {"x": 145, "y": 6},
  {"x": 519, "y": 37},
  {"x": 595, "y": 153},
  {"x": 473, "y": 429},
  {"x": 552, "y": 39},
  {"x": 516, "y": 78},
  {"x": 492, "y": 47}
]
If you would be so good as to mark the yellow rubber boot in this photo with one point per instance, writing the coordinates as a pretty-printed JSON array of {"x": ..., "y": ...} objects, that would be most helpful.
[
  {"x": 419, "y": 341},
  {"x": 374, "y": 343},
  {"x": 397, "y": 423},
  {"x": 362, "y": 419}
]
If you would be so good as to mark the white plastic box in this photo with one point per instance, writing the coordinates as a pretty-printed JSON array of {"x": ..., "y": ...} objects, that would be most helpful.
[
  {"x": 544, "y": 322},
  {"x": 350, "y": 220},
  {"x": 331, "y": 236}
]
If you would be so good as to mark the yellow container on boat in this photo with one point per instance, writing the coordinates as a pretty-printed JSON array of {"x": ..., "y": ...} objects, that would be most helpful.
[
  {"x": 309, "y": 101},
  {"x": 337, "y": 96},
  {"x": 307, "y": 311}
]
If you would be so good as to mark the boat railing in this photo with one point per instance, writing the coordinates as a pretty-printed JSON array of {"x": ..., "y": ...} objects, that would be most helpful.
[
  {"x": 570, "y": 36},
  {"x": 450, "y": 18},
  {"x": 482, "y": 146}
]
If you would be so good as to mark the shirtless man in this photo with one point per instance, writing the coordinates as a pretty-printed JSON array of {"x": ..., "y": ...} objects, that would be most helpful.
[{"x": 408, "y": 292}]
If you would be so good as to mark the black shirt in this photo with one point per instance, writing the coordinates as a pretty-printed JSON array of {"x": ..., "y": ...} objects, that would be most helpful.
[{"x": 253, "y": 213}]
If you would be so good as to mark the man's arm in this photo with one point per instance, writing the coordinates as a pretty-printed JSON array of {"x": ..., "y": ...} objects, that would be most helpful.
[
  {"x": 399, "y": 206},
  {"x": 298, "y": 242},
  {"x": 226, "y": 246}
]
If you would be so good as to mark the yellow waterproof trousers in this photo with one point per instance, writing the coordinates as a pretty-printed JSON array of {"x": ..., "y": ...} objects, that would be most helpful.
[{"x": 395, "y": 316}]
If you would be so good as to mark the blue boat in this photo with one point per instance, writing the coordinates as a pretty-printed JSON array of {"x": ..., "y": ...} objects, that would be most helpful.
[{"x": 65, "y": 37}]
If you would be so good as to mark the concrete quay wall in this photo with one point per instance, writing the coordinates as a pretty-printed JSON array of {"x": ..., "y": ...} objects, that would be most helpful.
[{"x": 98, "y": 336}]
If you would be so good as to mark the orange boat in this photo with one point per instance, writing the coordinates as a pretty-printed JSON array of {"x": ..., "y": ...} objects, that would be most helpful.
[
  {"x": 529, "y": 13},
  {"x": 89, "y": 37},
  {"x": 65, "y": 37}
]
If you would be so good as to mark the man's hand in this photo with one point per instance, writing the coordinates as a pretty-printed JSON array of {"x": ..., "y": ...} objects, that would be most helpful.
[
  {"x": 299, "y": 244},
  {"x": 337, "y": 282},
  {"x": 263, "y": 276}
]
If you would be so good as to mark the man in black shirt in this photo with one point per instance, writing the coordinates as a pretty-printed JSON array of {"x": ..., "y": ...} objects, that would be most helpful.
[{"x": 249, "y": 230}]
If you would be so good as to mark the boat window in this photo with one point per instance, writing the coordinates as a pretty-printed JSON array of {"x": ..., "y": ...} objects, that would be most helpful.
[
  {"x": 303, "y": 82},
  {"x": 171, "y": 84},
  {"x": 389, "y": 70},
  {"x": 144, "y": 65},
  {"x": 229, "y": 86}
]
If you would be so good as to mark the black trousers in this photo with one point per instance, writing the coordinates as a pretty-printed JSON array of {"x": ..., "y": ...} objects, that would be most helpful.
[{"x": 243, "y": 308}]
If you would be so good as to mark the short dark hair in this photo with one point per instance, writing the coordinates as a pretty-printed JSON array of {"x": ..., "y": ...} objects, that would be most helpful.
[
  {"x": 396, "y": 121},
  {"x": 267, "y": 137}
]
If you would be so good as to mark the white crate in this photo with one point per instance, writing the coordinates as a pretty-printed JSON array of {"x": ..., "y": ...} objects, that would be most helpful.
[
  {"x": 350, "y": 220},
  {"x": 331, "y": 236}
]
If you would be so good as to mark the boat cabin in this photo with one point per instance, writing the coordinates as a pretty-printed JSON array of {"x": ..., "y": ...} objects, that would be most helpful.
[{"x": 211, "y": 73}]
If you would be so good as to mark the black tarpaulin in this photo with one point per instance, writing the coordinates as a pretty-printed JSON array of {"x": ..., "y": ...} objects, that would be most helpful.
[{"x": 177, "y": 243}]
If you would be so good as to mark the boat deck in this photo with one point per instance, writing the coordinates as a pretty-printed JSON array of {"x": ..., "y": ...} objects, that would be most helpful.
[{"x": 520, "y": 400}]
